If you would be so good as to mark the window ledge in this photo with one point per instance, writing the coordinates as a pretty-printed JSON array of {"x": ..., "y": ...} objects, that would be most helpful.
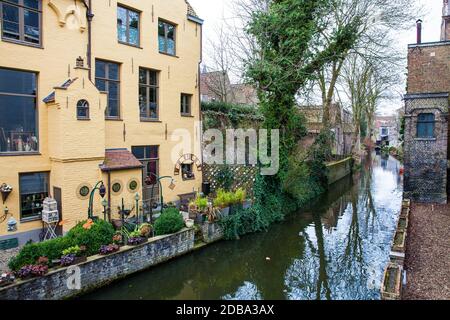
[
  {"x": 113, "y": 119},
  {"x": 168, "y": 54},
  {"x": 18, "y": 154},
  {"x": 31, "y": 219},
  {"x": 186, "y": 115},
  {"x": 22, "y": 43},
  {"x": 83, "y": 119},
  {"x": 150, "y": 120},
  {"x": 130, "y": 45},
  {"x": 425, "y": 139}
]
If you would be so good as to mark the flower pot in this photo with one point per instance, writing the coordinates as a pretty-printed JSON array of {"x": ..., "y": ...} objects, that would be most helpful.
[
  {"x": 5, "y": 195},
  {"x": 225, "y": 212},
  {"x": 189, "y": 223},
  {"x": 247, "y": 204},
  {"x": 391, "y": 288}
]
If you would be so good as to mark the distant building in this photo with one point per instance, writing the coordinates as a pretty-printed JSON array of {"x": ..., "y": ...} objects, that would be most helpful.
[
  {"x": 426, "y": 145},
  {"x": 216, "y": 86},
  {"x": 341, "y": 124},
  {"x": 387, "y": 130}
]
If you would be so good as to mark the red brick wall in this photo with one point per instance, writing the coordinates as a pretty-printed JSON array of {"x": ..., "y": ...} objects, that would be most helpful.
[{"x": 429, "y": 69}]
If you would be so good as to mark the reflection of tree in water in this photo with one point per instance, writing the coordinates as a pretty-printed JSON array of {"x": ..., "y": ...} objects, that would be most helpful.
[{"x": 329, "y": 251}]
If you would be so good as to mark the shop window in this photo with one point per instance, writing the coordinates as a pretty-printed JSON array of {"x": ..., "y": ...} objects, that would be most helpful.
[
  {"x": 33, "y": 190},
  {"x": 18, "y": 120}
]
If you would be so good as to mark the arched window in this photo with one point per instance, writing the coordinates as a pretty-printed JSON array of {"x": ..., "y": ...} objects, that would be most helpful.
[
  {"x": 83, "y": 109},
  {"x": 425, "y": 125}
]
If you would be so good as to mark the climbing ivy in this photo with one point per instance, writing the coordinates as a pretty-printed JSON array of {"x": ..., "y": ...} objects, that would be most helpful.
[{"x": 290, "y": 39}]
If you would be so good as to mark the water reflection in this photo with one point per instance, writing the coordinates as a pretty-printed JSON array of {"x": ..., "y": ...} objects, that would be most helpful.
[{"x": 336, "y": 249}]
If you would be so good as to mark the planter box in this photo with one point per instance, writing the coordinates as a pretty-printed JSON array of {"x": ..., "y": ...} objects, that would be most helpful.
[
  {"x": 397, "y": 257},
  {"x": 99, "y": 270},
  {"x": 399, "y": 244},
  {"x": 405, "y": 212},
  {"x": 391, "y": 288},
  {"x": 403, "y": 223},
  {"x": 406, "y": 203}
]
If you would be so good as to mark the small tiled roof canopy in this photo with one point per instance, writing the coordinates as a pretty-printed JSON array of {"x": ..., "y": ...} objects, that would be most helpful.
[
  {"x": 119, "y": 159},
  {"x": 64, "y": 86}
]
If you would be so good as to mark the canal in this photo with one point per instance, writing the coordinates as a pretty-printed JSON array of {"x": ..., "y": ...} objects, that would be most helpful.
[{"x": 335, "y": 249}]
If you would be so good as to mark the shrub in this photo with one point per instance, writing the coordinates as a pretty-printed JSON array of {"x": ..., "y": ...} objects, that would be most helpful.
[
  {"x": 30, "y": 253},
  {"x": 92, "y": 237},
  {"x": 75, "y": 250},
  {"x": 169, "y": 222}
]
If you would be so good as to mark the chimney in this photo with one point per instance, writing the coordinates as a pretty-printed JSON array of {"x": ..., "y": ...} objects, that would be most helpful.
[
  {"x": 419, "y": 31},
  {"x": 445, "y": 28}
]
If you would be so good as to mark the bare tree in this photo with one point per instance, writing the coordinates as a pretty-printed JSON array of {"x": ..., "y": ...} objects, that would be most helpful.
[{"x": 378, "y": 21}]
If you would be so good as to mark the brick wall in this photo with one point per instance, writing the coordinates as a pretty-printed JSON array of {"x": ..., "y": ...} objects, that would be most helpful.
[
  {"x": 429, "y": 68},
  {"x": 101, "y": 270},
  {"x": 425, "y": 160}
]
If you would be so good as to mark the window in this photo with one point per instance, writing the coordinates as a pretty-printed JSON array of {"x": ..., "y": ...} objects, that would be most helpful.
[
  {"x": 148, "y": 94},
  {"x": 425, "y": 125},
  {"x": 149, "y": 156},
  {"x": 186, "y": 104},
  {"x": 384, "y": 131},
  {"x": 107, "y": 79},
  {"x": 166, "y": 37},
  {"x": 128, "y": 26},
  {"x": 33, "y": 190},
  {"x": 21, "y": 21},
  {"x": 186, "y": 171},
  {"x": 83, "y": 109},
  {"x": 18, "y": 112}
]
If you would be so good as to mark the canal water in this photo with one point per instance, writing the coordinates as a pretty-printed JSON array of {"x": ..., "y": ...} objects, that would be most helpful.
[{"x": 336, "y": 249}]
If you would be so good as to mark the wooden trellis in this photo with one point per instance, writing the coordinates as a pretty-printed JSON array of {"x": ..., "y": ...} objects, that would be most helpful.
[{"x": 243, "y": 177}]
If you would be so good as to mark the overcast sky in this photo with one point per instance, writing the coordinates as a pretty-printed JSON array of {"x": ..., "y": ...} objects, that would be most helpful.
[{"x": 214, "y": 11}]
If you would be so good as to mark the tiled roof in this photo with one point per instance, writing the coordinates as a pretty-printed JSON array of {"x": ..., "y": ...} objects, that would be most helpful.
[
  {"x": 191, "y": 11},
  {"x": 119, "y": 159},
  {"x": 65, "y": 85}
]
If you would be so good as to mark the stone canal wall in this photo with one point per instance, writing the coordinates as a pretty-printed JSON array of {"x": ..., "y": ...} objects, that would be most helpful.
[
  {"x": 212, "y": 232},
  {"x": 340, "y": 169},
  {"x": 101, "y": 270}
]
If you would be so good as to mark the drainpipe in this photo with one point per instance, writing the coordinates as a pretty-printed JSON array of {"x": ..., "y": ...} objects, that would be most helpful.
[
  {"x": 419, "y": 31},
  {"x": 89, "y": 16},
  {"x": 200, "y": 97},
  {"x": 109, "y": 196}
]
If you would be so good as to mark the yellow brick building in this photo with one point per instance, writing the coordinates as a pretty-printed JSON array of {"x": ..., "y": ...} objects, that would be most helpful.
[{"x": 92, "y": 91}]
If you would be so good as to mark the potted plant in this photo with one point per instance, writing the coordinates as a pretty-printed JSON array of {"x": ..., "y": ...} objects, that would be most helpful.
[
  {"x": 6, "y": 279},
  {"x": 5, "y": 190},
  {"x": 32, "y": 271},
  {"x": 118, "y": 238},
  {"x": 74, "y": 254},
  {"x": 222, "y": 201},
  {"x": 145, "y": 230},
  {"x": 189, "y": 223},
  {"x": 135, "y": 238},
  {"x": 111, "y": 248}
]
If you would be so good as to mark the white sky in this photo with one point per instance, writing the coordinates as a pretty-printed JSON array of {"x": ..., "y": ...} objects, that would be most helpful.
[{"x": 214, "y": 11}]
